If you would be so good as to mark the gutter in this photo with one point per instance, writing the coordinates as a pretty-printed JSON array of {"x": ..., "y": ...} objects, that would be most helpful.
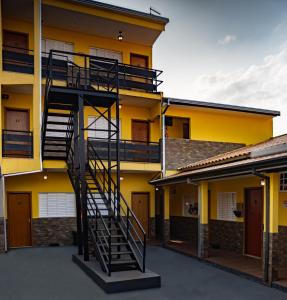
[{"x": 267, "y": 223}]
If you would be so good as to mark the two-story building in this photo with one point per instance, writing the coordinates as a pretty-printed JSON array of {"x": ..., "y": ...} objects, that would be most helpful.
[{"x": 54, "y": 50}]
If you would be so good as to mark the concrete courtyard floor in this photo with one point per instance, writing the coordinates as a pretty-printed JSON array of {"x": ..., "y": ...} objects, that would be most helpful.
[{"x": 49, "y": 273}]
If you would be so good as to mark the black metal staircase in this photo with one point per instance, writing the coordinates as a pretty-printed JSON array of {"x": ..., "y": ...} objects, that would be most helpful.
[{"x": 107, "y": 228}]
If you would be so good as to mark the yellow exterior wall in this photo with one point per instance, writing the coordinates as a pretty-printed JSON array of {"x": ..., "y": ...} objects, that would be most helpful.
[
  {"x": 231, "y": 185},
  {"x": 35, "y": 184},
  {"x": 136, "y": 182},
  {"x": 216, "y": 125},
  {"x": 127, "y": 114}
]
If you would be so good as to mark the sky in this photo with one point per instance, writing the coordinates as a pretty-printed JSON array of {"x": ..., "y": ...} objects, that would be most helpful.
[{"x": 224, "y": 51}]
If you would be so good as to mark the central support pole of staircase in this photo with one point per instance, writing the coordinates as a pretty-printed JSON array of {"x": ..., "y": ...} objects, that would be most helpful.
[
  {"x": 77, "y": 183},
  {"x": 82, "y": 155}
]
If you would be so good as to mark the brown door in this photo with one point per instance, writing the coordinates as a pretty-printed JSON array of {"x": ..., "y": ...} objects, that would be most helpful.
[
  {"x": 253, "y": 221},
  {"x": 140, "y": 207},
  {"x": 15, "y": 41},
  {"x": 140, "y": 131},
  {"x": 142, "y": 62},
  {"x": 139, "y": 60},
  {"x": 19, "y": 220},
  {"x": 17, "y": 120},
  {"x": 185, "y": 130},
  {"x": 17, "y": 123}
]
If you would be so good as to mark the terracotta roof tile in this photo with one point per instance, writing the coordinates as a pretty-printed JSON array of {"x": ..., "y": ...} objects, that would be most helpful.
[{"x": 237, "y": 154}]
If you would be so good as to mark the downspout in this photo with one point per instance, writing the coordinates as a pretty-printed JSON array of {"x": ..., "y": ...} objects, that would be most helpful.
[
  {"x": 163, "y": 139},
  {"x": 267, "y": 223}
]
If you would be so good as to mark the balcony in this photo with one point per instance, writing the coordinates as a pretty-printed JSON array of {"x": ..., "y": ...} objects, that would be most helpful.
[
  {"x": 17, "y": 144},
  {"x": 129, "y": 77},
  {"x": 132, "y": 151}
]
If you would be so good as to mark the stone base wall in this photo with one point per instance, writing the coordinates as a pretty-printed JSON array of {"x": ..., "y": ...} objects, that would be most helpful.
[
  {"x": 184, "y": 228},
  {"x": 273, "y": 269},
  {"x": 53, "y": 231},
  {"x": 227, "y": 235},
  {"x": 2, "y": 236},
  {"x": 283, "y": 246},
  {"x": 203, "y": 243},
  {"x": 180, "y": 152}
]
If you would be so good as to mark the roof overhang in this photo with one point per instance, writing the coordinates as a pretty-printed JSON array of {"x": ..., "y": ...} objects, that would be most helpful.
[
  {"x": 272, "y": 163},
  {"x": 219, "y": 106},
  {"x": 91, "y": 17}
]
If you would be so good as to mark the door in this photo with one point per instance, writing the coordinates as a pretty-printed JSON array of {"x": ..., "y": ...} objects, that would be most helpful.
[
  {"x": 142, "y": 62},
  {"x": 253, "y": 221},
  {"x": 139, "y": 60},
  {"x": 185, "y": 130},
  {"x": 15, "y": 41},
  {"x": 140, "y": 207},
  {"x": 17, "y": 120},
  {"x": 17, "y": 124},
  {"x": 19, "y": 220},
  {"x": 140, "y": 131}
]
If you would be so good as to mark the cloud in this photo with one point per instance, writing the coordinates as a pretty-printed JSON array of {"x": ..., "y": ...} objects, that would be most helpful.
[
  {"x": 262, "y": 86},
  {"x": 227, "y": 40}
]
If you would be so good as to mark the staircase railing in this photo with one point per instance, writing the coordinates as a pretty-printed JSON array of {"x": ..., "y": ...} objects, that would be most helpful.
[
  {"x": 127, "y": 220},
  {"x": 95, "y": 219}
]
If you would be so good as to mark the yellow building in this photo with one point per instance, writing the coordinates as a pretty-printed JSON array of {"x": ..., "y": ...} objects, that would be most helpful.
[{"x": 83, "y": 118}]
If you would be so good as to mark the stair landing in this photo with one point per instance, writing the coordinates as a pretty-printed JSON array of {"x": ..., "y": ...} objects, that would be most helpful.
[{"x": 119, "y": 281}]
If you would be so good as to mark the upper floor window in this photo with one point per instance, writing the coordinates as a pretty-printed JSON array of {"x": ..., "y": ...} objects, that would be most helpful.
[
  {"x": 283, "y": 182},
  {"x": 48, "y": 45},
  {"x": 100, "y": 128},
  {"x": 107, "y": 53}
]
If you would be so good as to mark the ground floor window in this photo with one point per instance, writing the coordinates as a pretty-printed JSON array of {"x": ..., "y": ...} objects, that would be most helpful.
[
  {"x": 226, "y": 204},
  {"x": 53, "y": 205},
  {"x": 283, "y": 182}
]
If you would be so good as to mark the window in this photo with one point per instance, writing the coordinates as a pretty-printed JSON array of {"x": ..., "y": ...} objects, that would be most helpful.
[
  {"x": 48, "y": 45},
  {"x": 283, "y": 182},
  {"x": 101, "y": 124},
  {"x": 226, "y": 204},
  {"x": 53, "y": 205},
  {"x": 107, "y": 54}
]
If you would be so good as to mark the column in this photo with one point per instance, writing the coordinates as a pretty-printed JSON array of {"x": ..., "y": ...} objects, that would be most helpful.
[
  {"x": 271, "y": 237},
  {"x": 166, "y": 222},
  {"x": 203, "y": 235},
  {"x": 37, "y": 97}
]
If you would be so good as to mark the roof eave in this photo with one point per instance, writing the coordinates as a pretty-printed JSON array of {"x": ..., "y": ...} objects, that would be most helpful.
[
  {"x": 220, "y": 106},
  {"x": 123, "y": 10}
]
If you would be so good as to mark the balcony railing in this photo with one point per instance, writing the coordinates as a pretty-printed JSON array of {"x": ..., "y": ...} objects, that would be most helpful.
[
  {"x": 130, "y": 77},
  {"x": 17, "y": 143},
  {"x": 133, "y": 151}
]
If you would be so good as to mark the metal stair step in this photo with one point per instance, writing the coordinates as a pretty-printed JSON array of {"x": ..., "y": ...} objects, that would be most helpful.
[{"x": 123, "y": 262}]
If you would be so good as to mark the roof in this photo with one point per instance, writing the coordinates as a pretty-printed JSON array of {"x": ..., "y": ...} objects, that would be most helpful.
[
  {"x": 123, "y": 10},
  {"x": 268, "y": 155},
  {"x": 241, "y": 153},
  {"x": 220, "y": 106}
]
